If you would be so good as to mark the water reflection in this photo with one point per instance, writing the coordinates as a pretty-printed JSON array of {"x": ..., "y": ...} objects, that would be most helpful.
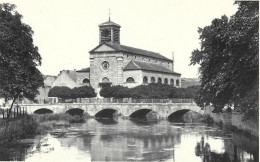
[{"x": 126, "y": 140}]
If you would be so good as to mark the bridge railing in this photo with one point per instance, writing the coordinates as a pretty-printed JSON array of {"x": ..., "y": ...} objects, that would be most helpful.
[{"x": 130, "y": 100}]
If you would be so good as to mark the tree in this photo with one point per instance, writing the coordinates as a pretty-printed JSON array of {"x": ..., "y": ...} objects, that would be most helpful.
[
  {"x": 228, "y": 60},
  {"x": 83, "y": 92},
  {"x": 67, "y": 93},
  {"x": 61, "y": 92},
  {"x": 115, "y": 92},
  {"x": 19, "y": 58}
]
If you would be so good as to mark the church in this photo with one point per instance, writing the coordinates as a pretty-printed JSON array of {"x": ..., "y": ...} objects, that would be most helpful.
[{"x": 112, "y": 63}]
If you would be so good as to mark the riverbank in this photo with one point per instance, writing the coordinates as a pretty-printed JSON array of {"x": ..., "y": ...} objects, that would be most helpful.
[{"x": 234, "y": 121}]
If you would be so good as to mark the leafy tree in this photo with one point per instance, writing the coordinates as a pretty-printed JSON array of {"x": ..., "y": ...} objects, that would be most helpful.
[
  {"x": 19, "y": 58},
  {"x": 61, "y": 92},
  {"x": 115, "y": 92},
  {"x": 82, "y": 92},
  {"x": 67, "y": 93},
  {"x": 228, "y": 60}
]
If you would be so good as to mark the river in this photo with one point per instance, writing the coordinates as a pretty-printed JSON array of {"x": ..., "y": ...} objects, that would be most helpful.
[{"x": 128, "y": 140}]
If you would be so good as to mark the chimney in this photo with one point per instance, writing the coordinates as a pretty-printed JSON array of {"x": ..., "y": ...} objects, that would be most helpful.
[{"x": 172, "y": 61}]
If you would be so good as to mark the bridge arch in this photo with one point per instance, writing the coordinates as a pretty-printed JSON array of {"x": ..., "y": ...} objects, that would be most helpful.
[
  {"x": 75, "y": 111},
  {"x": 43, "y": 111},
  {"x": 178, "y": 114},
  {"x": 107, "y": 113},
  {"x": 144, "y": 113}
]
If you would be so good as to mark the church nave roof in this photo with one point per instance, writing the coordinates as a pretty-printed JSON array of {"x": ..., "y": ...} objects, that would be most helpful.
[{"x": 138, "y": 65}]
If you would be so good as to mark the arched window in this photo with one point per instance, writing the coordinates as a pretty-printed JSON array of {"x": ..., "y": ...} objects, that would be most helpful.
[
  {"x": 105, "y": 80},
  {"x": 130, "y": 80},
  {"x": 159, "y": 80},
  {"x": 165, "y": 81},
  {"x": 86, "y": 80},
  {"x": 172, "y": 82},
  {"x": 152, "y": 80},
  {"x": 177, "y": 82},
  {"x": 145, "y": 80}
]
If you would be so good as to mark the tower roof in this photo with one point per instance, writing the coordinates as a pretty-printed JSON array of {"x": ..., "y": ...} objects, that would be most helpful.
[{"x": 109, "y": 23}]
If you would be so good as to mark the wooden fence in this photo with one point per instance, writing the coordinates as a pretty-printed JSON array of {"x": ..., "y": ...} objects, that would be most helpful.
[{"x": 16, "y": 112}]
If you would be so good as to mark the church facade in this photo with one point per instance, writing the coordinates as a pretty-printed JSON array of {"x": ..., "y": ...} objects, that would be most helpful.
[{"x": 114, "y": 64}]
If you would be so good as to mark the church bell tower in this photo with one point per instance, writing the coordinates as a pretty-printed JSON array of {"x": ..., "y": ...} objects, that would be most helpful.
[{"x": 109, "y": 32}]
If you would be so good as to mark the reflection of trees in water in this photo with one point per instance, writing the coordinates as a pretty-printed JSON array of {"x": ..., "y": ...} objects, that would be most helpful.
[
  {"x": 203, "y": 149},
  {"x": 232, "y": 152},
  {"x": 13, "y": 151}
]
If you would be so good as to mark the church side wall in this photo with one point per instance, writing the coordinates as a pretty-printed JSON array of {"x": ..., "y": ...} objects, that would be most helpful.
[
  {"x": 129, "y": 57},
  {"x": 157, "y": 75}
]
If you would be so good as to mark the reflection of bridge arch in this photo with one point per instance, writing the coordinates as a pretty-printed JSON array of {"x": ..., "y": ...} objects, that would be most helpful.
[{"x": 43, "y": 111}]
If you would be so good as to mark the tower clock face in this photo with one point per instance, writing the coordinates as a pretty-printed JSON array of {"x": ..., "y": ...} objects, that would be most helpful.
[{"x": 105, "y": 65}]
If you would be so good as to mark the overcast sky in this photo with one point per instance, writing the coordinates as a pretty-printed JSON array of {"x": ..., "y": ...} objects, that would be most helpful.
[{"x": 66, "y": 30}]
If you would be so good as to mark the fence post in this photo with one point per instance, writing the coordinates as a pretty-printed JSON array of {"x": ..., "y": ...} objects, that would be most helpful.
[{"x": 17, "y": 111}]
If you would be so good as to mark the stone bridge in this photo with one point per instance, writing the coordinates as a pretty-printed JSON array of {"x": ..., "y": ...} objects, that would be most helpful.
[{"x": 164, "y": 110}]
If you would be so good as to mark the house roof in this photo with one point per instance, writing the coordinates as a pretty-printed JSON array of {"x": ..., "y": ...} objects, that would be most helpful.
[
  {"x": 109, "y": 23},
  {"x": 137, "y": 65},
  {"x": 71, "y": 73},
  {"x": 48, "y": 80},
  {"x": 84, "y": 70},
  {"x": 123, "y": 48}
]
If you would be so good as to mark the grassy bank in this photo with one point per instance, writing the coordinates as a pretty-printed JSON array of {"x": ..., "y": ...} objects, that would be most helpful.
[
  {"x": 18, "y": 128},
  {"x": 31, "y": 125}
]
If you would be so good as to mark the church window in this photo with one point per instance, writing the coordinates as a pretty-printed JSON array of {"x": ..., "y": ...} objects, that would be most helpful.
[
  {"x": 159, "y": 80},
  {"x": 105, "y": 65},
  {"x": 165, "y": 81},
  {"x": 105, "y": 80},
  {"x": 172, "y": 82},
  {"x": 177, "y": 82},
  {"x": 152, "y": 80},
  {"x": 145, "y": 80},
  {"x": 130, "y": 80}
]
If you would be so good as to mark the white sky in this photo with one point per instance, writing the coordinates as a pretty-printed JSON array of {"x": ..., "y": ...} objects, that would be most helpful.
[{"x": 66, "y": 30}]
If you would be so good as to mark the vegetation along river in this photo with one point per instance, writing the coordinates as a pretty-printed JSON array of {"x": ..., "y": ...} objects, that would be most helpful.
[{"x": 129, "y": 140}]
